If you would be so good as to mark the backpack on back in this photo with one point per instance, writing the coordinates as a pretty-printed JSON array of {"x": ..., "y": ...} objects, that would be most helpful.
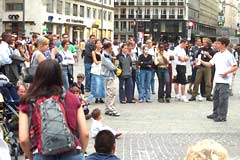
[{"x": 55, "y": 137}]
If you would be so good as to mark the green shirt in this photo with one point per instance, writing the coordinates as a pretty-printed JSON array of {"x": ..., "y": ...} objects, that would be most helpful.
[{"x": 71, "y": 48}]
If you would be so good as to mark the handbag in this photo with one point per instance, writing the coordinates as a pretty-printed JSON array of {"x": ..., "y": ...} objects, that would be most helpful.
[{"x": 29, "y": 72}]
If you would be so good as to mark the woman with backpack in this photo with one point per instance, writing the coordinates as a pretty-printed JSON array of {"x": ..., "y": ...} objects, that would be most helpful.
[{"x": 51, "y": 121}]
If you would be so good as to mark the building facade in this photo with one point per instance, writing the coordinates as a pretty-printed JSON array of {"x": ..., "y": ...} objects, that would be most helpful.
[
  {"x": 78, "y": 18},
  {"x": 165, "y": 20}
]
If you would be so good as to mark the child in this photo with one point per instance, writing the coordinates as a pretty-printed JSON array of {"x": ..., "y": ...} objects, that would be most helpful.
[
  {"x": 98, "y": 126},
  {"x": 84, "y": 101},
  {"x": 79, "y": 84}
]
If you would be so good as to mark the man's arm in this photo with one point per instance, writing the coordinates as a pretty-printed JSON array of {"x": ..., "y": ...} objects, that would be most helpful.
[
  {"x": 233, "y": 69},
  {"x": 207, "y": 64}
]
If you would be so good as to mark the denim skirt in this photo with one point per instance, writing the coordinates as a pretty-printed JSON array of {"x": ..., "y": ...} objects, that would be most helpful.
[{"x": 97, "y": 86}]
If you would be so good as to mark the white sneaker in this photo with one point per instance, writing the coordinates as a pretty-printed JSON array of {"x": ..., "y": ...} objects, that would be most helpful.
[
  {"x": 200, "y": 98},
  {"x": 177, "y": 97},
  {"x": 184, "y": 99}
]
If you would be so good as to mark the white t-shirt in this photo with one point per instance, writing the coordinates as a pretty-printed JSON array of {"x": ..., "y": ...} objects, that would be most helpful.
[
  {"x": 67, "y": 57},
  {"x": 179, "y": 52},
  {"x": 223, "y": 62},
  {"x": 97, "y": 126}
]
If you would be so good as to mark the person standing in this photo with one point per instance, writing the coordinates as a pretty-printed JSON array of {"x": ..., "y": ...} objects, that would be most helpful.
[
  {"x": 66, "y": 64},
  {"x": 97, "y": 80},
  {"x": 46, "y": 85},
  {"x": 125, "y": 79},
  {"x": 108, "y": 70},
  {"x": 205, "y": 53},
  {"x": 5, "y": 58},
  {"x": 181, "y": 59},
  {"x": 88, "y": 60},
  {"x": 192, "y": 55},
  {"x": 161, "y": 60},
  {"x": 145, "y": 62},
  {"x": 151, "y": 51},
  {"x": 225, "y": 65}
]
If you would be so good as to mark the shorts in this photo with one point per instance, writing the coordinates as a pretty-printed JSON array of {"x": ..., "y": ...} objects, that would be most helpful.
[{"x": 181, "y": 74}]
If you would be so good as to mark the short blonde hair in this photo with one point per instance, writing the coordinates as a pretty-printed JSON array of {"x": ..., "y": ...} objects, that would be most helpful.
[
  {"x": 41, "y": 41},
  {"x": 207, "y": 150}
]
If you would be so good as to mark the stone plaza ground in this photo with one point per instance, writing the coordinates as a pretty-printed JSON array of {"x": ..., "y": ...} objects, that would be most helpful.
[
  {"x": 161, "y": 131},
  {"x": 156, "y": 131}
]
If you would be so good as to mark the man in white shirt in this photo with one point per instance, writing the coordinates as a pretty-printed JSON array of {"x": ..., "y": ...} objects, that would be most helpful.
[
  {"x": 225, "y": 65},
  {"x": 181, "y": 58}
]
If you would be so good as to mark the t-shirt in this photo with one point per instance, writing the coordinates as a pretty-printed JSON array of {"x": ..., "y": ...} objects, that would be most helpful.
[
  {"x": 71, "y": 48},
  {"x": 203, "y": 57},
  {"x": 179, "y": 52},
  {"x": 223, "y": 62},
  {"x": 72, "y": 105}
]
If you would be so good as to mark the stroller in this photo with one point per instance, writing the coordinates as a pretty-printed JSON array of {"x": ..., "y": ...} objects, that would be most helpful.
[{"x": 9, "y": 117}]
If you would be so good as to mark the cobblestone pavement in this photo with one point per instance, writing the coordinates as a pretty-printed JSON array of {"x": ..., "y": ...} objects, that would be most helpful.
[{"x": 164, "y": 131}]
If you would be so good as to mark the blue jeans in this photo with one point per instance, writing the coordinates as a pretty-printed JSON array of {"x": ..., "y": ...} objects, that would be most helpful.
[
  {"x": 153, "y": 80},
  {"x": 145, "y": 79},
  {"x": 65, "y": 78},
  {"x": 163, "y": 78},
  {"x": 138, "y": 81},
  {"x": 87, "y": 67},
  {"x": 65, "y": 156}
]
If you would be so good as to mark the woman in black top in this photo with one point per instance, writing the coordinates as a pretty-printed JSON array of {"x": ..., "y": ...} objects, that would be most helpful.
[{"x": 145, "y": 62}]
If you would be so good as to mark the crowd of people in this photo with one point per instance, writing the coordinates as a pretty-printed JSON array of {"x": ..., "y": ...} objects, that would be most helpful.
[{"x": 43, "y": 67}]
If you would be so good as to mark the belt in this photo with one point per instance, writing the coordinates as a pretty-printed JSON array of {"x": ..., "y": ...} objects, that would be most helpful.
[{"x": 162, "y": 67}]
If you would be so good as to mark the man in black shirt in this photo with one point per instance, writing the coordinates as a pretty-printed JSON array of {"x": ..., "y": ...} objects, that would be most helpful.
[
  {"x": 205, "y": 54},
  {"x": 90, "y": 46}
]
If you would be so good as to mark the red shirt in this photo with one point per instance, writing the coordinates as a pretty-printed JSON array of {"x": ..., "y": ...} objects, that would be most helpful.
[{"x": 72, "y": 105}]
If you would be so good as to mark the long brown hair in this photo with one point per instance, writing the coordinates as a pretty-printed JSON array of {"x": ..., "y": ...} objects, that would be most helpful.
[{"x": 47, "y": 81}]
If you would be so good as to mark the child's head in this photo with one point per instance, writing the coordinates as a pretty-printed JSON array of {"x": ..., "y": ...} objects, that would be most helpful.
[
  {"x": 21, "y": 90},
  {"x": 80, "y": 78},
  {"x": 75, "y": 90},
  {"x": 207, "y": 149},
  {"x": 96, "y": 114}
]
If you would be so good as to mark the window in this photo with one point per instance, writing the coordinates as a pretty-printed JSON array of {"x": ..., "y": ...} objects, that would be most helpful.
[
  {"x": 123, "y": 11},
  {"x": 123, "y": 25},
  {"x": 99, "y": 14},
  {"x": 75, "y": 10},
  {"x": 116, "y": 25},
  {"x": 172, "y": 11},
  {"x": 131, "y": 11},
  {"x": 14, "y": 6},
  {"x": 104, "y": 15},
  {"x": 94, "y": 13},
  {"x": 123, "y": 37},
  {"x": 105, "y": 1},
  {"x": 140, "y": 11},
  {"x": 81, "y": 11},
  {"x": 110, "y": 2},
  {"x": 67, "y": 8},
  {"x": 147, "y": 11},
  {"x": 163, "y": 12},
  {"x": 180, "y": 11},
  {"x": 109, "y": 16},
  {"x": 89, "y": 12},
  {"x": 59, "y": 7},
  {"x": 50, "y": 6},
  {"x": 155, "y": 11}
]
